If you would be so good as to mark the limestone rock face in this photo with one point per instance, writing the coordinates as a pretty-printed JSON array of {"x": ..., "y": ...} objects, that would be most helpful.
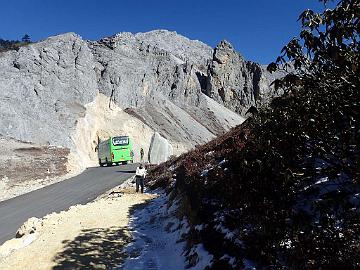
[
  {"x": 133, "y": 68},
  {"x": 69, "y": 92},
  {"x": 44, "y": 88},
  {"x": 187, "y": 50},
  {"x": 154, "y": 77},
  {"x": 236, "y": 83},
  {"x": 160, "y": 149}
]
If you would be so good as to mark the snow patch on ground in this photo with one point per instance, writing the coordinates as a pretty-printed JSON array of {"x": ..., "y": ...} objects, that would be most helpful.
[
  {"x": 204, "y": 258},
  {"x": 158, "y": 239}
]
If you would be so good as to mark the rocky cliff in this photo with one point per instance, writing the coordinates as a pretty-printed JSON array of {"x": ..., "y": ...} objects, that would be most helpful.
[
  {"x": 69, "y": 92},
  {"x": 236, "y": 83}
]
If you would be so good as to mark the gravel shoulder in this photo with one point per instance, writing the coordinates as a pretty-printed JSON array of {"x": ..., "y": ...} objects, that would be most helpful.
[{"x": 91, "y": 235}]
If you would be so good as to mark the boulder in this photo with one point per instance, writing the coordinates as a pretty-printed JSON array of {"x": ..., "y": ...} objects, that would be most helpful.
[
  {"x": 160, "y": 149},
  {"x": 29, "y": 227}
]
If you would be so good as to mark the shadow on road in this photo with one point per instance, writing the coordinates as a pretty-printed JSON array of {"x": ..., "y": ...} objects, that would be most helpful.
[
  {"x": 94, "y": 248},
  {"x": 124, "y": 171}
]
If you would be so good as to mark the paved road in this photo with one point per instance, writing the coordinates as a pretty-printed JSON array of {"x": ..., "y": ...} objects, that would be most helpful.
[{"x": 60, "y": 196}]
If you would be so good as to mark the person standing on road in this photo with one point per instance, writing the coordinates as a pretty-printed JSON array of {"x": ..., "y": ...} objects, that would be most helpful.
[
  {"x": 141, "y": 155},
  {"x": 140, "y": 177}
]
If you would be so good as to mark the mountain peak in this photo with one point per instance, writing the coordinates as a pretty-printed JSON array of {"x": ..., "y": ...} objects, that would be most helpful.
[
  {"x": 224, "y": 44},
  {"x": 182, "y": 47}
]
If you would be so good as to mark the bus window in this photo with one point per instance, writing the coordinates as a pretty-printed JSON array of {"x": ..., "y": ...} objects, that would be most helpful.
[{"x": 120, "y": 141}]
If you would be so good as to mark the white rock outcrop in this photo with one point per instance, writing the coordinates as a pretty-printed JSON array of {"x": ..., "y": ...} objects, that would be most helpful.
[
  {"x": 44, "y": 88},
  {"x": 29, "y": 227},
  {"x": 160, "y": 149}
]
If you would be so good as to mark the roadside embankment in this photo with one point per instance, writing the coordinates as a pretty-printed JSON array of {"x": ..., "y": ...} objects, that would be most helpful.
[{"x": 91, "y": 235}]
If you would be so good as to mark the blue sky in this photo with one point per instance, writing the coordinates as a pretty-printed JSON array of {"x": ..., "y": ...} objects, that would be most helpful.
[{"x": 257, "y": 29}]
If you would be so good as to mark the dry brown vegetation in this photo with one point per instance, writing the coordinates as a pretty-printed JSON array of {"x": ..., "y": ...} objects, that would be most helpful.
[{"x": 282, "y": 190}]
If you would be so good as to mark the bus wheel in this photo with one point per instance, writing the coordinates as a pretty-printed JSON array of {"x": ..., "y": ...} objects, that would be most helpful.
[{"x": 117, "y": 163}]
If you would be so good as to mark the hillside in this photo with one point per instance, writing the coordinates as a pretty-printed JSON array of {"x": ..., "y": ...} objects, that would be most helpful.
[
  {"x": 66, "y": 92},
  {"x": 282, "y": 190},
  {"x": 261, "y": 197}
]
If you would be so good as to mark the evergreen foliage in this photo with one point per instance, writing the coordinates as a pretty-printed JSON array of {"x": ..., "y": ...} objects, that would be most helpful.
[
  {"x": 7, "y": 45},
  {"x": 26, "y": 38}
]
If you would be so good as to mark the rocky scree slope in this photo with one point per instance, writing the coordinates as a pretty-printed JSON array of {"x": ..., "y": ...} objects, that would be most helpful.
[{"x": 68, "y": 92}]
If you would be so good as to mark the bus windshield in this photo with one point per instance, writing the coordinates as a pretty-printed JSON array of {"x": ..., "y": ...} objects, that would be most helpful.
[{"x": 120, "y": 140}]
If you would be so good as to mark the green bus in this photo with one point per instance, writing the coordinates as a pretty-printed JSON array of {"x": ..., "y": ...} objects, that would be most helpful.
[{"x": 115, "y": 150}]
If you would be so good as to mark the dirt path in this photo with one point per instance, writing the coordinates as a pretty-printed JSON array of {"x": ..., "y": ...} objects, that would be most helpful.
[{"x": 85, "y": 236}]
